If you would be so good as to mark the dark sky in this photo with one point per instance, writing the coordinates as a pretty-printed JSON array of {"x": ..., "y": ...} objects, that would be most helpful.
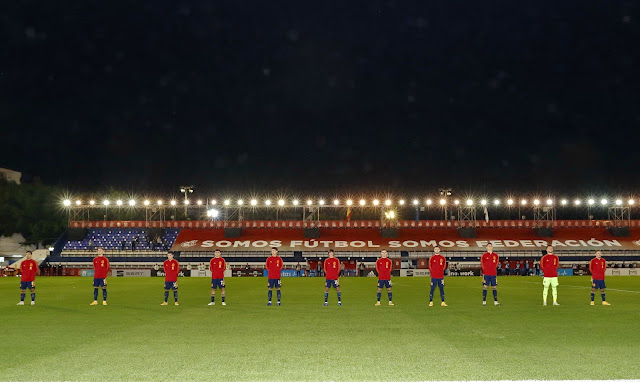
[{"x": 266, "y": 95}]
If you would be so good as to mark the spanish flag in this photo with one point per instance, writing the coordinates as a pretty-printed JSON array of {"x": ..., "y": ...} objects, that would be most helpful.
[{"x": 349, "y": 214}]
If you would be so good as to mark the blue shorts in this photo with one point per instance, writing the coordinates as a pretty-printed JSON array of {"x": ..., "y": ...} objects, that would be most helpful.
[
  {"x": 99, "y": 283},
  {"x": 598, "y": 284},
  {"x": 489, "y": 280},
  {"x": 274, "y": 283},
  {"x": 27, "y": 285},
  {"x": 384, "y": 284},
  {"x": 171, "y": 285},
  {"x": 217, "y": 283},
  {"x": 331, "y": 283},
  {"x": 437, "y": 282}
]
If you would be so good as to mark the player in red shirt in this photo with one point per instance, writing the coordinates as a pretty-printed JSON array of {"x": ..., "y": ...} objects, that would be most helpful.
[
  {"x": 101, "y": 268},
  {"x": 274, "y": 266},
  {"x": 384, "y": 267},
  {"x": 489, "y": 263},
  {"x": 437, "y": 265},
  {"x": 549, "y": 263},
  {"x": 331, "y": 271},
  {"x": 597, "y": 266},
  {"x": 217, "y": 265},
  {"x": 28, "y": 270},
  {"x": 171, "y": 270}
]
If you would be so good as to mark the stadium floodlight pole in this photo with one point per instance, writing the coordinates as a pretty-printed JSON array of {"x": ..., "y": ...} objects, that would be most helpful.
[
  {"x": 444, "y": 192},
  {"x": 186, "y": 190}
]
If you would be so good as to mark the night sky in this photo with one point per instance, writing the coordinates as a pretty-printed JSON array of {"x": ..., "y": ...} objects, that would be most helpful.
[{"x": 270, "y": 95}]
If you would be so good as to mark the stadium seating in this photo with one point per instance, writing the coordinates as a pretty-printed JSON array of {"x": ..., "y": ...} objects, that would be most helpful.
[{"x": 111, "y": 240}]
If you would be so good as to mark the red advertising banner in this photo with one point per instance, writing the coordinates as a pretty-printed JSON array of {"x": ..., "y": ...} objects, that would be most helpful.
[{"x": 415, "y": 239}]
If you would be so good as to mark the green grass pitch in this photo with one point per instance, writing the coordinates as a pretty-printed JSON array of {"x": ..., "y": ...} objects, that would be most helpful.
[{"x": 134, "y": 338}]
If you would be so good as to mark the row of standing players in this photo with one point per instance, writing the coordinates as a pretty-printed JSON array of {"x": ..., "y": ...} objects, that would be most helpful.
[{"x": 437, "y": 264}]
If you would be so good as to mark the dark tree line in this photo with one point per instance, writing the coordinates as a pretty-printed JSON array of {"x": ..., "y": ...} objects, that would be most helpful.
[{"x": 33, "y": 210}]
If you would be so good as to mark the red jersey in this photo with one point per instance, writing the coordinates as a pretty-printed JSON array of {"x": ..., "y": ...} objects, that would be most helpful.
[
  {"x": 171, "y": 270},
  {"x": 274, "y": 266},
  {"x": 437, "y": 265},
  {"x": 489, "y": 263},
  {"x": 100, "y": 267},
  {"x": 549, "y": 265},
  {"x": 597, "y": 268},
  {"x": 28, "y": 268},
  {"x": 384, "y": 266},
  {"x": 332, "y": 268},
  {"x": 217, "y": 267}
]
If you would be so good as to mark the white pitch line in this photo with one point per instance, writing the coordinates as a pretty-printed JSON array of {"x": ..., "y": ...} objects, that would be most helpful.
[
  {"x": 583, "y": 287},
  {"x": 552, "y": 380}
]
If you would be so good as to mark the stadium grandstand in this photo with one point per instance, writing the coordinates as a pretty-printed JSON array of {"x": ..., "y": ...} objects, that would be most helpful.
[{"x": 304, "y": 230}]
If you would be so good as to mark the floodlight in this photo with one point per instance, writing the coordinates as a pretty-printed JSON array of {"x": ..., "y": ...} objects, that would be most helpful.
[
  {"x": 577, "y": 202},
  {"x": 132, "y": 202},
  {"x": 281, "y": 202},
  {"x": 510, "y": 201},
  {"x": 456, "y": 202},
  {"x": 536, "y": 202},
  {"x": 78, "y": 202},
  {"x": 173, "y": 202},
  {"x": 159, "y": 202},
  {"x": 240, "y": 202},
  {"x": 428, "y": 202},
  {"x": 387, "y": 202},
  {"x": 146, "y": 202},
  {"x": 309, "y": 202},
  {"x": 199, "y": 202},
  {"x": 603, "y": 202},
  {"x": 362, "y": 202},
  {"x": 618, "y": 202},
  {"x": 469, "y": 202},
  {"x": 442, "y": 202},
  {"x": 631, "y": 202},
  {"x": 214, "y": 202},
  {"x": 483, "y": 202},
  {"x": 186, "y": 202},
  {"x": 523, "y": 202},
  {"x": 106, "y": 202},
  {"x": 401, "y": 202},
  {"x": 496, "y": 202},
  {"x": 563, "y": 202},
  {"x": 415, "y": 202},
  {"x": 349, "y": 202},
  {"x": 92, "y": 202},
  {"x": 254, "y": 202},
  {"x": 321, "y": 202},
  {"x": 119, "y": 202},
  {"x": 376, "y": 202},
  {"x": 591, "y": 202},
  {"x": 336, "y": 202},
  {"x": 295, "y": 202},
  {"x": 227, "y": 202},
  {"x": 67, "y": 202},
  {"x": 549, "y": 202}
]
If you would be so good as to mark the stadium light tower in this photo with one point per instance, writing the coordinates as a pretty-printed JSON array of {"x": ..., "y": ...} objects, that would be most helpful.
[
  {"x": 186, "y": 190},
  {"x": 444, "y": 193}
]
